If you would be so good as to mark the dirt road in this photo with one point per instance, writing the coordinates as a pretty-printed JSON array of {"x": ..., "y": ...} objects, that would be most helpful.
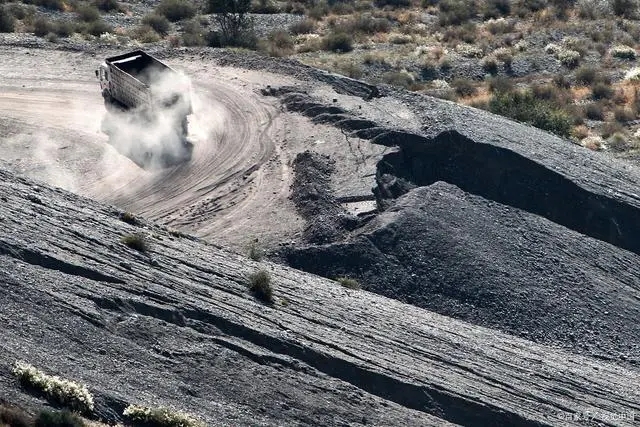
[{"x": 234, "y": 188}]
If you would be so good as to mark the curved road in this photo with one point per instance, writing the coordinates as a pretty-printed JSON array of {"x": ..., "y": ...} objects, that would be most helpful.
[{"x": 235, "y": 185}]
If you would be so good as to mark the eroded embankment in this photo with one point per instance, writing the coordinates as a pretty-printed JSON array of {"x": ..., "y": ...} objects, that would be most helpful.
[
  {"x": 489, "y": 171},
  {"x": 482, "y": 233}
]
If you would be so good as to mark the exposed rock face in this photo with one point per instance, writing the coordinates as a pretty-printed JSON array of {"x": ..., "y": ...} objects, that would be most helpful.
[
  {"x": 494, "y": 231},
  {"x": 176, "y": 326}
]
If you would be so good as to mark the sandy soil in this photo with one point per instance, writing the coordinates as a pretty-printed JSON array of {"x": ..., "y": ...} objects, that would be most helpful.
[{"x": 234, "y": 190}]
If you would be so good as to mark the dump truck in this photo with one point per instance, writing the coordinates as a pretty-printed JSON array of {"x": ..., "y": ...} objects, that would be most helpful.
[{"x": 152, "y": 102}]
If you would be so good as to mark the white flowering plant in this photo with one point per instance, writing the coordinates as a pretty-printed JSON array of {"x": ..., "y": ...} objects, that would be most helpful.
[
  {"x": 61, "y": 391},
  {"x": 160, "y": 417}
]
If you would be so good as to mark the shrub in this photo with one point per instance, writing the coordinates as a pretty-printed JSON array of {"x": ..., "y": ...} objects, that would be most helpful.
[
  {"x": 490, "y": 65},
  {"x": 627, "y": 8},
  {"x": 398, "y": 78},
  {"x": 58, "y": 419},
  {"x": 594, "y": 111},
  {"x": 618, "y": 142},
  {"x": 193, "y": 34},
  {"x": 593, "y": 9},
  {"x": 145, "y": 34},
  {"x": 348, "y": 283},
  {"x": 306, "y": 26},
  {"x": 236, "y": 27},
  {"x": 365, "y": 24},
  {"x": 279, "y": 43},
  {"x": 60, "y": 391},
  {"x": 175, "y": 10},
  {"x": 42, "y": 26},
  {"x": 136, "y": 241},
  {"x": 392, "y": 3},
  {"x": 98, "y": 27},
  {"x": 623, "y": 114},
  {"x": 255, "y": 252},
  {"x": 128, "y": 217},
  {"x": 586, "y": 75},
  {"x": 568, "y": 57},
  {"x": 159, "y": 417},
  {"x": 338, "y": 42},
  {"x": 7, "y": 21},
  {"x": 525, "y": 107},
  {"x": 260, "y": 285},
  {"x": 265, "y": 7},
  {"x": 159, "y": 23},
  {"x": 87, "y": 13},
  {"x": 601, "y": 90},
  {"x": 14, "y": 417},
  {"x": 497, "y": 8},
  {"x": 464, "y": 87},
  {"x": 428, "y": 72},
  {"x": 623, "y": 52},
  {"x": 400, "y": 39},
  {"x": 63, "y": 28},
  {"x": 500, "y": 84},
  {"x": 455, "y": 12},
  {"x": 47, "y": 4},
  {"x": 106, "y": 5},
  {"x": 561, "y": 81}
]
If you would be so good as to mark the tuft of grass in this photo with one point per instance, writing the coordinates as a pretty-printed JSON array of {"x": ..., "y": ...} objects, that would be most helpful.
[
  {"x": 306, "y": 26},
  {"x": 14, "y": 417},
  {"x": 48, "y": 418},
  {"x": 129, "y": 218},
  {"x": 159, "y": 417},
  {"x": 464, "y": 87},
  {"x": 348, "y": 283},
  {"x": 66, "y": 393},
  {"x": 255, "y": 252},
  {"x": 136, "y": 241},
  {"x": 260, "y": 285}
]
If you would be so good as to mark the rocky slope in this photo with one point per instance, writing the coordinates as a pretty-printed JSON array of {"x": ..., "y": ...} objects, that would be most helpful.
[{"x": 176, "y": 326}]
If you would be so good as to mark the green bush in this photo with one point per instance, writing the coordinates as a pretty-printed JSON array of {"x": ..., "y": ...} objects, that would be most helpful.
[
  {"x": 260, "y": 285},
  {"x": 98, "y": 27},
  {"x": 14, "y": 417},
  {"x": 136, "y": 241},
  {"x": 338, "y": 42},
  {"x": 525, "y": 107},
  {"x": 176, "y": 10},
  {"x": 490, "y": 65},
  {"x": 58, "y": 419},
  {"x": 87, "y": 13},
  {"x": 7, "y": 21},
  {"x": 144, "y": 34},
  {"x": 348, "y": 283}
]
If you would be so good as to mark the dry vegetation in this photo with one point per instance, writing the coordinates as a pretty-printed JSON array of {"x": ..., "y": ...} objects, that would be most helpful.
[{"x": 566, "y": 66}]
